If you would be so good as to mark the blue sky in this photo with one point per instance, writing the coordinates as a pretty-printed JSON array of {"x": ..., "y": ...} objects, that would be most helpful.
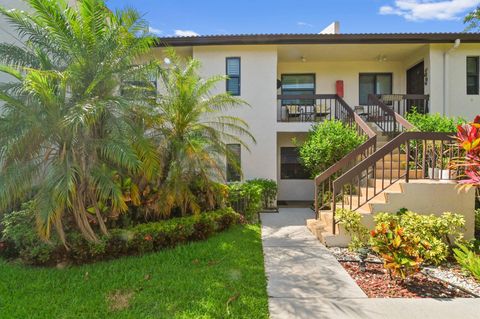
[{"x": 190, "y": 17}]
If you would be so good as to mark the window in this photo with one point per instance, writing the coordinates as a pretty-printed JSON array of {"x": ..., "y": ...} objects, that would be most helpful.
[
  {"x": 374, "y": 83},
  {"x": 472, "y": 75},
  {"x": 233, "y": 162},
  {"x": 290, "y": 165},
  {"x": 233, "y": 73},
  {"x": 298, "y": 84}
]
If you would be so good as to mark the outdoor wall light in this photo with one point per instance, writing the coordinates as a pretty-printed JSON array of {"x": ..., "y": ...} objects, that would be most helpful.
[{"x": 303, "y": 59}]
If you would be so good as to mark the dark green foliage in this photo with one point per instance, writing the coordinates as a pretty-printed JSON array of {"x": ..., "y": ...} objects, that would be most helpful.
[
  {"x": 20, "y": 233},
  {"x": 269, "y": 191},
  {"x": 245, "y": 198},
  {"x": 21, "y": 239},
  {"x": 434, "y": 122},
  {"x": 327, "y": 143},
  {"x": 250, "y": 197}
]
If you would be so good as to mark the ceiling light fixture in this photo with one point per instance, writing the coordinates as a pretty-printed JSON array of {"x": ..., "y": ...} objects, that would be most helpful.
[{"x": 382, "y": 58}]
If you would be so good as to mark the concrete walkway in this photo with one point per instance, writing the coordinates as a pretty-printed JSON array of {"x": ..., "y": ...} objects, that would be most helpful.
[{"x": 305, "y": 280}]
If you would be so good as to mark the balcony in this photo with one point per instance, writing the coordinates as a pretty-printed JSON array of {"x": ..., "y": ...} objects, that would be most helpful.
[
  {"x": 404, "y": 103},
  {"x": 309, "y": 108}
]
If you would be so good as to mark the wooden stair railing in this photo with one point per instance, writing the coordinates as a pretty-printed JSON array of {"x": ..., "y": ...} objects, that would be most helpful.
[
  {"x": 324, "y": 181},
  {"x": 426, "y": 156},
  {"x": 404, "y": 103},
  {"x": 384, "y": 117}
]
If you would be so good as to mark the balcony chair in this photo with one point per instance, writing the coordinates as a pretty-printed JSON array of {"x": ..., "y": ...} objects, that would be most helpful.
[
  {"x": 321, "y": 111},
  {"x": 293, "y": 111}
]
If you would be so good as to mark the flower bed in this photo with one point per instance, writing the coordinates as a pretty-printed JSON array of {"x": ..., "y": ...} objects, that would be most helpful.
[
  {"x": 376, "y": 283},
  {"x": 448, "y": 275}
]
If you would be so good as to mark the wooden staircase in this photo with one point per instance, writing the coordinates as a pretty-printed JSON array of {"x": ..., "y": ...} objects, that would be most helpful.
[{"x": 374, "y": 176}]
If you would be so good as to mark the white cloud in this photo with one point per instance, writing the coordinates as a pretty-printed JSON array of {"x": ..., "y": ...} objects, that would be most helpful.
[
  {"x": 429, "y": 9},
  {"x": 154, "y": 30},
  {"x": 304, "y": 24},
  {"x": 186, "y": 33}
]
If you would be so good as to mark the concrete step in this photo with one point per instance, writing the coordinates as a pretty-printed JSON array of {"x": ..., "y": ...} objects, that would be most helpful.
[
  {"x": 396, "y": 173},
  {"x": 395, "y": 157},
  {"x": 395, "y": 163},
  {"x": 379, "y": 184}
]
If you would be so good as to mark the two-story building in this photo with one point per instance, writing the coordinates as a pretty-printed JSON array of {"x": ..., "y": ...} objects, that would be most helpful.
[{"x": 438, "y": 71}]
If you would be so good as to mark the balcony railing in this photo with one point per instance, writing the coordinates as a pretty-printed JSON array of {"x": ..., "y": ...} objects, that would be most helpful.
[
  {"x": 309, "y": 108},
  {"x": 404, "y": 103}
]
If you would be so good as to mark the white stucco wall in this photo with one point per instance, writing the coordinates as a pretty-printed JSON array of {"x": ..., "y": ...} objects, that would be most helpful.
[
  {"x": 258, "y": 88},
  {"x": 8, "y": 34},
  {"x": 457, "y": 102},
  {"x": 292, "y": 189},
  {"x": 328, "y": 72}
]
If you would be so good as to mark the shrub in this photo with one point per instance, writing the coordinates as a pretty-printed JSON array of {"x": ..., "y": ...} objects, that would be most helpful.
[
  {"x": 20, "y": 237},
  {"x": 269, "y": 191},
  {"x": 398, "y": 249},
  {"x": 248, "y": 198},
  {"x": 434, "y": 122},
  {"x": 468, "y": 259},
  {"x": 140, "y": 239},
  {"x": 351, "y": 221},
  {"x": 327, "y": 143},
  {"x": 435, "y": 231}
]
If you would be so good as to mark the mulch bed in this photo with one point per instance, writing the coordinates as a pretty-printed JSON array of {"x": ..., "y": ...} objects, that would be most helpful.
[{"x": 376, "y": 283}]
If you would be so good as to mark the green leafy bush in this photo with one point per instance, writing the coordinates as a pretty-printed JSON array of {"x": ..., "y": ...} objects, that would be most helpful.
[
  {"x": 249, "y": 197},
  {"x": 398, "y": 248},
  {"x": 436, "y": 232},
  {"x": 469, "y": 260},
  {"x": 351, "y": 222},
  {"x": 327, "y": 143},
  {"x": 434, "y": 122},
  {"x": 269, "y": 191},
  {"x": 245, "y": 198},
  {"x": 20, "y": 236},
  {"x": 139, "y": 239}
]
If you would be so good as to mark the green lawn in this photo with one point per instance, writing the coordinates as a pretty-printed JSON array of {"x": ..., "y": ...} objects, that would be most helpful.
[{"x": 222, "y": 277}]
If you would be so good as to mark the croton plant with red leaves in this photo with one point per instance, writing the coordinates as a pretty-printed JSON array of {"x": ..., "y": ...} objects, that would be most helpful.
[{"x": 468, "y": 137}]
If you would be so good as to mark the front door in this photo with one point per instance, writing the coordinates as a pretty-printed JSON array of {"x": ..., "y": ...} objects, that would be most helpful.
[{"x": 415, "y": 85}]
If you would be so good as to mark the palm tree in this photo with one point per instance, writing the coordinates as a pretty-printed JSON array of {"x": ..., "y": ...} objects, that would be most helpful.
[
  {"x": 66, "y": 134},
  {"x": 191, "y": 130}
]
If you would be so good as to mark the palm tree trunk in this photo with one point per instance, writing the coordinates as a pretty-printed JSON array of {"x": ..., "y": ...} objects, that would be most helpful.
[
  {"x": 80, "y": 214},
  {"x": 98, "y": 214}
]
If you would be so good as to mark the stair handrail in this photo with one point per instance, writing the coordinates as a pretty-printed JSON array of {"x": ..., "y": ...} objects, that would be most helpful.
[
  {"x": 385, "y": 117},
  {"x": 404, "y": 139},
  {"x": 363, "y": 150},
  {"x": 402, "y": 103}
]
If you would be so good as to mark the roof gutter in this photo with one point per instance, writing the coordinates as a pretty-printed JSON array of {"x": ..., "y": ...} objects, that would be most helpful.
[{"x": 279, "y": 39}]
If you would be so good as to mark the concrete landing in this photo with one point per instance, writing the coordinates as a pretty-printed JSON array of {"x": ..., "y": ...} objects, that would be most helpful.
[{"x": 306, "y": 281}]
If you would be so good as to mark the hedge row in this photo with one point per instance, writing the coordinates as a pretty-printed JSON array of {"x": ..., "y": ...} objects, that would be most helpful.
[{"x": 143, "y": 238}]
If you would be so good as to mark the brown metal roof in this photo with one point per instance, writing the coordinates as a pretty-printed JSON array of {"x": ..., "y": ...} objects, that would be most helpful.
[{"x": 378, "y": 38}]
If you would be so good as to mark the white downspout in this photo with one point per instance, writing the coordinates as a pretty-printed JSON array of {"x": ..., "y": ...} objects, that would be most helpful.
[{"x": 445, "y": 74}]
